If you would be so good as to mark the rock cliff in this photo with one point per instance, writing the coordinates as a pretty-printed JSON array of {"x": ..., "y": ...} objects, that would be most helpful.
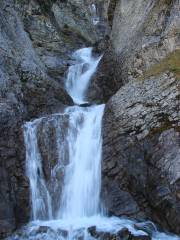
[
  {"x": 141, "y": 123},
  {"x": 143, "y": 33},
  {"x": 141, "y": 151}
]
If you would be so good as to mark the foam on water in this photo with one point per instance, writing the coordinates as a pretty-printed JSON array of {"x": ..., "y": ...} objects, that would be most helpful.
[{"x": 77, "y": 228}]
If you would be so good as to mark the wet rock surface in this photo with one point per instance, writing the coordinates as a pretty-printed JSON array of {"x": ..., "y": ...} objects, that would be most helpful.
[
  {"x": 106, "y": 81},
  {"x": 42, "y": 232},
  {"x": 46, "y": 232},
  {"x": 123, "y": 234}
]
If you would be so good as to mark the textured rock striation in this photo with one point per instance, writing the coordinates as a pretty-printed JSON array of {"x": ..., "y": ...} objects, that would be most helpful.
[
  {"x": 141, "y": 122},
  {"x": 143, "y": 33},
  {"x": 141, "y": 156}
]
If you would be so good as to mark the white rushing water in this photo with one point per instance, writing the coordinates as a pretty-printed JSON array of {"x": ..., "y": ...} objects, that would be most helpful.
[
  {"x": 94, "y": 13},
  {"x": 40, "y": 197},
  {"x": 83, "y": 144},
  {"x": 79, "y": 74},
  {"x": 82, "y": 183},
  {"x": 68, "y": 202}
]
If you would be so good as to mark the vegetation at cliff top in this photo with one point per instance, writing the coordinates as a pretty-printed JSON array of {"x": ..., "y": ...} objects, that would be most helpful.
[{"x": 170, "y": 63}]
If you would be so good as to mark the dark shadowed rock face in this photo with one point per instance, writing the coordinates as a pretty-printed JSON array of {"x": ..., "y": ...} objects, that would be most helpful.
[
  {"x": 106, "y": 80},
  {"x": 141, "y": 160},
  {"x": 14, "y": 197}
]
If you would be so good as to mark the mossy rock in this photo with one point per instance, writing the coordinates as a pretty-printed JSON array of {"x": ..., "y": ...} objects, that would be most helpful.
[{"x": 170, "y": 63}]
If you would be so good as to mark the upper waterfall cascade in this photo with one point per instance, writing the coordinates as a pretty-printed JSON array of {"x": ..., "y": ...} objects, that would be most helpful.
[
  {"x": 95, "y": 18},
  {"x": 79, "y": 74},
  {"x": 63, "y": 161}
]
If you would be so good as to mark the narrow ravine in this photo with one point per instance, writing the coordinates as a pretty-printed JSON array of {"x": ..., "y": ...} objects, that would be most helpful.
[{"x": 66, "y": 201}]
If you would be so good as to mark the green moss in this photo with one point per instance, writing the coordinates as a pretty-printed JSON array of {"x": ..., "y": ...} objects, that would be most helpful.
[{"x": 170, "y": 63}]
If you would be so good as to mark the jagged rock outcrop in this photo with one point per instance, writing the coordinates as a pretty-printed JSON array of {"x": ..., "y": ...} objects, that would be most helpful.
[{"x": 141, "y": 157}]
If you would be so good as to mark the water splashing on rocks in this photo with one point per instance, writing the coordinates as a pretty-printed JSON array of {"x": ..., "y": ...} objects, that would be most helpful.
[{"x": 63, "y": 158}]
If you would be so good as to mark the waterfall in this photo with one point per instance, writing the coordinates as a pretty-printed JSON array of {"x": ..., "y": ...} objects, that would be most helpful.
[
  {"x": 82, "y": 142},
  {"x": 94, "y": 12},
  {"x": 63, "y": 162},
  {"x": 41, "y": 200},
  {"x": 79, "y": 74},
  {"x": 82, "y": 183}
]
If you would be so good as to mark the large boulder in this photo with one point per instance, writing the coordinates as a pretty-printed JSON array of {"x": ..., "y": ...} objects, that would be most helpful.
[{"x": 106, "y": 81}]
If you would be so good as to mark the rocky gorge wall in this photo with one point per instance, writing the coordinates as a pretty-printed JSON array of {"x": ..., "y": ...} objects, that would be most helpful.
[
  {"x": 143, "y": 34},
  {"x": 141, "y": 159}
]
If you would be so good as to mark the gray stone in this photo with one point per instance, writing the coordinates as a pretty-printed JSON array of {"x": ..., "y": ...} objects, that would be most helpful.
[
  {"x": 143, "y": 143},
  {"x": 143, "y": 33}
]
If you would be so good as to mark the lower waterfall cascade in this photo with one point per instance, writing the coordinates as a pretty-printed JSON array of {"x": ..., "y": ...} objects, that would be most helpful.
[{"x": 65, "y": 200}]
